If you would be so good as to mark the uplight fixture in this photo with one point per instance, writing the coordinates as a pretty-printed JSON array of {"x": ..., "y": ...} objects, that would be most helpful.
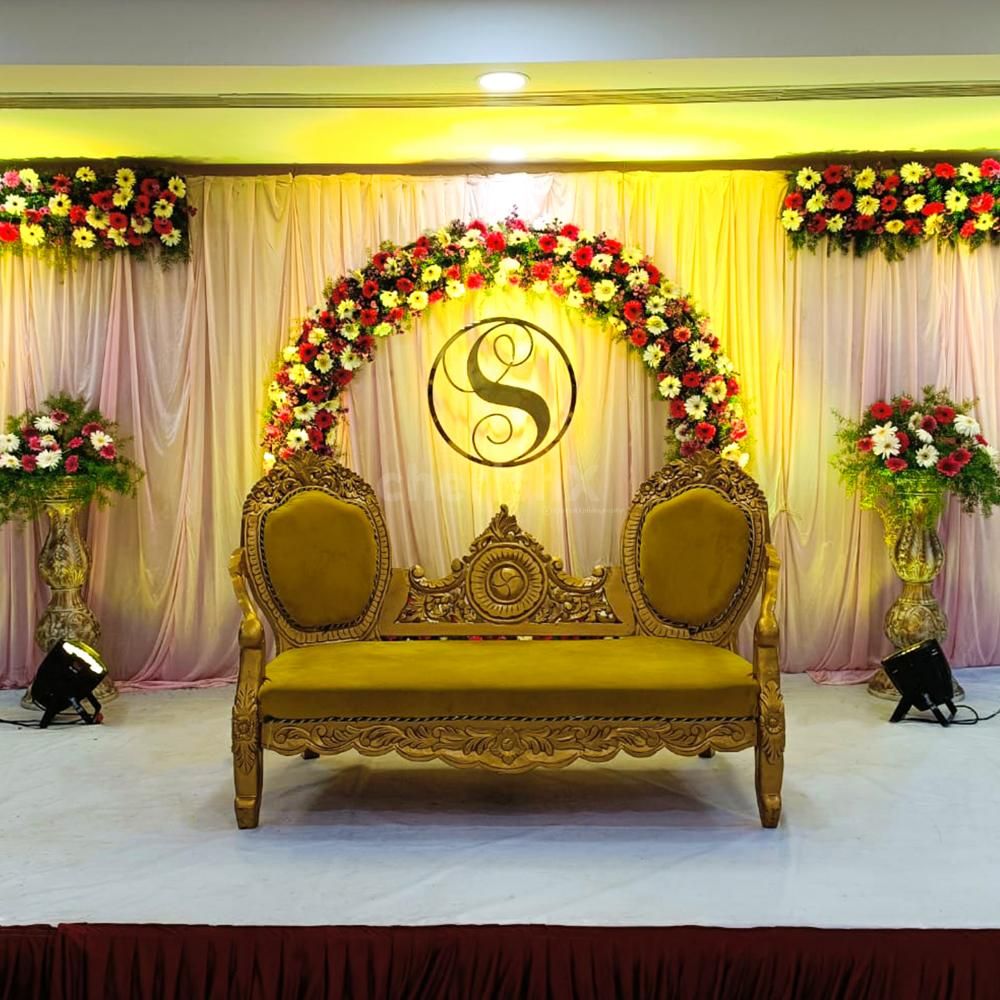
[{"x": 502, "y": 81}]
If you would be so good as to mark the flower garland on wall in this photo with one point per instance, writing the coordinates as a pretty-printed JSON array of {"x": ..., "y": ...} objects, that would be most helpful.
[
  {"x": 894, "y": 209},
  {"x": 87, "y": 214},
  {"x": 594, "y": 275}
]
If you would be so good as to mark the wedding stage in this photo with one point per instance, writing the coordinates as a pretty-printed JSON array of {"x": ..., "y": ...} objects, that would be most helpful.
[{"x": 131, "y": 823}]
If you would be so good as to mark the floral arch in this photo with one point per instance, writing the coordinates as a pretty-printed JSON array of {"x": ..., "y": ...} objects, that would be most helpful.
[{"x": 593, "y": 274}]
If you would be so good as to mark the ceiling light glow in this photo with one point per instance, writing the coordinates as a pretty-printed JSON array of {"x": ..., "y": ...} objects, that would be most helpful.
[{"x": 502, "y": 82}]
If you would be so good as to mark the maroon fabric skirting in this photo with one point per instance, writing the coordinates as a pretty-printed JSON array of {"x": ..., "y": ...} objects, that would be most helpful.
[{"x": 123, "y": 962}]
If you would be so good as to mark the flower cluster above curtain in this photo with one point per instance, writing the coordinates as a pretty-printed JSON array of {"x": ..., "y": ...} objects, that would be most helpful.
[
  {"x": 85, "y": 214},
  {"x": 895, "y": 208}
]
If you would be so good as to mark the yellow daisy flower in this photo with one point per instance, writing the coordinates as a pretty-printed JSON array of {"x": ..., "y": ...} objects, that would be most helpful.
[
  {"x": 32, "y": 235},
  {"x": 96, "y": 218},
  {"x": 122, "y": 197},
  {"x": 171, "y": 239},
  {"x": 60, "y": 204},
  {"x": 177, "y": 187},
  {"x": 791, "y": 220},
  {"x": 955, "y": 200},
  {"x": 913, "y": 172},
  {"x": 836, "y": 223},
  {"x": 141, "y": 225},
  {"x": 867, "y": 205},
  {"x": 894, "y": 226},
  {"x": 807, "y": 178},
  {"x": 985, "y": 221},
  {"x": 816, "y": 202},
  {"x": 864, "y": 179},
  {"x": 83, "y": 238},
  {"x": 86, "y": 175},
  {"x": 967, "y": 170},
  {"x": 914, "y": 203},
  {"x": 163, "y": 209},
  {"x": 124, "y": 177}
]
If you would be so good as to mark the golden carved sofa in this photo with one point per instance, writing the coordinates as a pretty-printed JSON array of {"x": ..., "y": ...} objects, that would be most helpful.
[{"x": 315, "y": 559}]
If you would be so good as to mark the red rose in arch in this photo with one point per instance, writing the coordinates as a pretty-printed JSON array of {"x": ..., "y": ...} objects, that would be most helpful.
[{"x": 593, "y": 275}]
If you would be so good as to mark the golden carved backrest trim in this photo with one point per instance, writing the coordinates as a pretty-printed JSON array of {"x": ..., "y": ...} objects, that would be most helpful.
[
  {"x": 703, "y": 470},
  {"x": 507, "y": 584},
  {"x": 305, "y": 472}
]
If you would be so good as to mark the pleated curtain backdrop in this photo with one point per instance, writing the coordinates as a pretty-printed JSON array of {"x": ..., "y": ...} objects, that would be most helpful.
[{"x": 181, "y": 359}]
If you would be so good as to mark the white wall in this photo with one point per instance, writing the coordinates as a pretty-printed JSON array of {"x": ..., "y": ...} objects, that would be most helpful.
[{"x": 410, "y": 32}]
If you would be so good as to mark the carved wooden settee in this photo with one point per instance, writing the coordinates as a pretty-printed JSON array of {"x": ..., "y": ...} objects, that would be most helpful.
[{"x": 315, "y": 559}]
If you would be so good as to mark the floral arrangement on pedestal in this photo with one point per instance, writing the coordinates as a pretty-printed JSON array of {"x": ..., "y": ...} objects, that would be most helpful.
[
  {"x": 903, "y": 458},
  {"x": 928, "y": 444},
  {"x": 893, "y": 208},
  {"x": 594, "y": 275},
  {"x": 65, "y": 445},
  {"x": 85, "y": 214}
]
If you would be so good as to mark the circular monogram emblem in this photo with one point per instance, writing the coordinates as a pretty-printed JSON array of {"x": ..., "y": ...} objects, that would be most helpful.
[{"x": 502, "y": 391}]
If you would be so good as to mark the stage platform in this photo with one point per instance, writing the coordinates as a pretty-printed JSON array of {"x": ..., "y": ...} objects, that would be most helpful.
[{"x": 132, "y": 822}]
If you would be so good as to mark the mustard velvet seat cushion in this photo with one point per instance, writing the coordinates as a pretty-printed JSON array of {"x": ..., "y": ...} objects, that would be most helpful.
[
  {"x": 692, "y": 553},
  {"x": 633, "y": 676},
  {"x": 321, "y": 559}
]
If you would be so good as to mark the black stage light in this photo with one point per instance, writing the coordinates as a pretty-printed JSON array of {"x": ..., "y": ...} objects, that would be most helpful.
[
  {"x": 67, "y": 677},
  {"x": 923, "y": 678}
]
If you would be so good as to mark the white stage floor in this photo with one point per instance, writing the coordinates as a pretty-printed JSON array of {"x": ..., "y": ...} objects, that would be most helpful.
[{"x": 883, "y": 826}]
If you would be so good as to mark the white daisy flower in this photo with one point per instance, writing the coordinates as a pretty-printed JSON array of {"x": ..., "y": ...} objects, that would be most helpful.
[
  {"x": 430, "y": 274},
  {"x": 699, "y": 350},
  {"x": 716, "y": 390},
  {"x": 382, "y": 330},
  {"x": 299, "y": 374},
  {"x": 304, "y": 414},
  {"x": 389, "y": 299},
  {"x": 604, "y": 291},
  {"x": 454, "y": 289},
  {"x": 732, "y": 452},
  {"x": 637, "y": 277},
  {"x": 807, "y": 178},
  {"x": 927, "y": 456},
  {"x": 296, "y": 438},
  {"x": 99, "y": 440},
  {"x": 346, "y": 309},
  {"x": 418, "y": 300},
  {"x": 696, "y": 407},
  {"x": 602, "y": 262},
  {"x": 9, "y": 442},
  {"x": 8, "y": 461},
  {"x": 653, "y": 355},
  {"x": 670, "y": 387},
  {"x": 317, "y": 335},
  {"x": 574, "y": 298},
  {"x": 349, "y": 360},
  {"x": 350, "y": 331},
  {"x": 322, "y": 362},
  {"x": 966, "y": 426},
  {"x": 45, "y": 424},
  {"x": 49, "y": 459}
]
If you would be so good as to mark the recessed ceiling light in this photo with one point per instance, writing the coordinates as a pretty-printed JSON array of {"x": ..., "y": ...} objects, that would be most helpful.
[{"x": 502, "y": 82}]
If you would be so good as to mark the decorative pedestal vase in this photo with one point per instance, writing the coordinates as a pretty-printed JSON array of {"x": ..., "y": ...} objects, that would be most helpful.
[
  {"x": 63, "y": 564},
  {"x": 917, "y": 557}
]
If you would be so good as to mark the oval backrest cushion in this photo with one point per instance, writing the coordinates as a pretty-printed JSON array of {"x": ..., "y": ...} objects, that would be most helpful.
[
  {"x": 693, "y": 550},
  {"x": 321, "y": 557}
]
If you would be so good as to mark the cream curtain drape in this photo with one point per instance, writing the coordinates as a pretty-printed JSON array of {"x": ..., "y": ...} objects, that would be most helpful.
[{"x": 181, "y": 359}]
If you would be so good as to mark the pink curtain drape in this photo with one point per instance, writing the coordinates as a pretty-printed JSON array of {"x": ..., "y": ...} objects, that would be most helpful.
[{"x": 181, "y": 359}]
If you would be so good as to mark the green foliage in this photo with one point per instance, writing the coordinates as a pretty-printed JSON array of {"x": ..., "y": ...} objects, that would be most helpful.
[{"x": 79, "y": 456}]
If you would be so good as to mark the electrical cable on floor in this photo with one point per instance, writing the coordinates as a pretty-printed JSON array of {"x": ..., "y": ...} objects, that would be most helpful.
[{"x": 959, "y": 722}]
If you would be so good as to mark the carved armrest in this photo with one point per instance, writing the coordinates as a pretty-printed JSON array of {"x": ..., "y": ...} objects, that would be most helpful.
[
  {"x": 765, "y": 635},
  {"x": 251, "y": 632}
]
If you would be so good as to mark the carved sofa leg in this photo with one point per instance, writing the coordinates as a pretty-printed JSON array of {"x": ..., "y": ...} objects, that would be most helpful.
[
  {"x": 248, "y": 776},
  {"x": 707, "y": 753},
  {"x": 770, "y": 754},
  {"x": 309, "y": 754}
]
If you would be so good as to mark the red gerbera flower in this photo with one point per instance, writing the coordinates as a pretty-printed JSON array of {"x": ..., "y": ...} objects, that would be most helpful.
[
  {"x": 541, "y": 270},
  {"x": 475, "y": 281},
  {"x": 944, "y": 414},
  {"x": 149, "y": 186},
  {"x": 880, "y": 410},
  {"x": 404, "y": 286},
  {"x": 816, "y": 224},
  {"x": 368, "y": 317},
  {"x": 682, "y": 335},
  {"x": 933, "y": 208},
  {"x": 9, "y": 233},
  {"x": 677, "y": 410},
  {"x": 107, "y": 452},
  {"x": 369, "y": 289},
  {"x": 29, "y": 463},
  {"x": 928, "y": 424},
  {"x": 77, "y": 214},
  {"x": 453, "y": 273},
  {"x": 793, "y": 200},
  {"x": 981, "y": 203},
  {"x": 904, "y": 440},
  {"x": 864, "y": 444},
  {"x": 990, "y": 167},
  {"x": 496, "y": 242},
  {"x": 324, "y": 420},
  {"x": 705, "y": 432},
  {"x": 584, "y": 286},
  {"x": 944, "y": 170},
  {"x": 639, "y": 337},
  {"x": 894, "y": 464},
  {"x": 968, "y": 228},
  {"x": 118, "y": 220},
  {"x": 889, "y": 203},
  {"x": 547, "y": 243},
  {"x": 833, "y": 174},
  {"x": 570, "y": 231},
  {"x": 841, "y": 200},
  {"x": 163, "y": 226},
  {"x": 72, "y": 463},
  {"x": 633, "y": 310},
  {"x": 947, "y": 466},
  {"x": 582, "y": 256},
  {"x": 962, "y": 456},
  {"x": 316, "y": 393},
  {"x": 692, "y": 380},
  {"x": 104, "y": 200}
]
